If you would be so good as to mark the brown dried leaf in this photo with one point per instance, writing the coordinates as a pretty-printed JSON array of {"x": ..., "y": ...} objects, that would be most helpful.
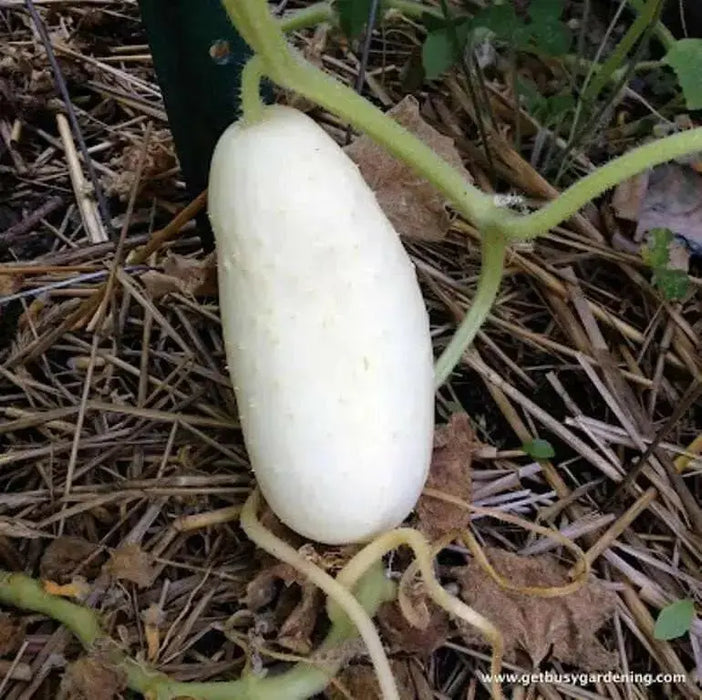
[
  {"x": 563, "y": 628},
  {"x": 401, "y": 636},
  {"x": 295, "y": 633},
  {"x": 359, "y": 681},
  {"x": 160, "y": 158},
  {"x": 668, "y": 196},
  {"x": 10, "y": 284},
  {"x": 673, "y": 200},
  {"x": 90, "y": 678},
  {"x": 628, "y": 197},
  {"x": 450, "y": 472},
  {"x": 182, "y": 274},
  {"x": 261, "y": 590},
  {"x": 413, "y": 205},
  {"x": 131, "y": 563},
  {"x": 65, "y": 554},
  {"x": 11, "y": 633}
]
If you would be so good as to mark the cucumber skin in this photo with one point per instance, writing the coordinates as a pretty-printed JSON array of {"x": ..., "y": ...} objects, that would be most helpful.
[{"x": 326, "y": 331}]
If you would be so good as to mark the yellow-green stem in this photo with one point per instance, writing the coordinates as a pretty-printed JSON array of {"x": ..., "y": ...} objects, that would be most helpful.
[
  {"x": 301, "y": 681},
  {"x": 577, "y": 195},
  {"x": 251, "y": 76},
  {"x": 291, "y": 72},
  {"x": 493, "y": 256},
  {"x": 662, "y": 32},
  {"x": 308, "y": 17},
  {"x": 324, "y": 12},
  {"x": 617, "y": 57}
]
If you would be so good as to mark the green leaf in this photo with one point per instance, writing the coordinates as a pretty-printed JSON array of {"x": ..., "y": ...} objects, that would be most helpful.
[
  {"x": 552, "y": 38},
  {"x": 431, "y": 22},
  {"x": 539, "y": 449},
  {"x": 533, "y": 99},
  {"x": 548, "y": 110},
  {"x": 672, "y": 283},
  {"x": 545, "y": 11},
  {"x": 501, "y": 20},
  {"x": 438, "y": 53},
  {"x": 656, "y": 253},
  {"x": 353, "y": 15},
  {"x": 685, "y": 58},
  {"x": 439, "y": 49},
  {"x": 674, "y": 620}
]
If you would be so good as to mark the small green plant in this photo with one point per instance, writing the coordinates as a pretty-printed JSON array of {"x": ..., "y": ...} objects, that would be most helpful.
[
  {"x": 549, "y": 111},
  {"x": 353, "y": 15},
  {"x": 672, "y": 283},
  {"x": 674, "y": 620},
  {"x": 685, "y": 58},
  {"x": 542, "y": 32},
  {"x": 539, "y": 449}
]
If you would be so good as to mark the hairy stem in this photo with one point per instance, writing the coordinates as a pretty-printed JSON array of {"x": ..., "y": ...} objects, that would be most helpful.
[
  {"x": 339, "y": 594},
  {"x": 493, "y": 260},
  {"x": 291, "y": 72},
  {"x": 383, "y": 544},
  {"x": 301, "y": 681},
  {"x": 251, "y": 76},
  {"x": 577, "y": 195},
  {"x": 308, "y": 17},
  {"x": 324, "y": 12}
]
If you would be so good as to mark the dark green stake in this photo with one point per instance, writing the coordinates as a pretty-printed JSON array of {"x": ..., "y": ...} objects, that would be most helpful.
[{"x": 198, "y": 57}]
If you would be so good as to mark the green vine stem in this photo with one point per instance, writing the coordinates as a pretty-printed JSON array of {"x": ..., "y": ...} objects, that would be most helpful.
[
  {"x": 302, "y": 680},
  {"x": 618, "y": 56},
  {"x": 290, "y": 71},
  {"x": 324, "y": 12},
  {"x": 522, "y": 227},
  {"x": 493, "y": 260},
  {"x": 662, "y": 32},
  {"x": 251, "y": 76},
  {"x": 308, "y": 17},
  {"x": 468, "y": 200}
]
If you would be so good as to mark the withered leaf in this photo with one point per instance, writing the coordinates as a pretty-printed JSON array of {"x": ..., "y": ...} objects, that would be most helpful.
[
  {"x": 563, "y": 628},
  {"x": 89, "y": 678},
  {"x": 359, "y": 681},
  {"x": 295, "y": 633},
  {"x": 159, "y": 159},
  {"x": 413, "y": 205},
  {"x": 64, "y": 556},
  {"x": 262, "y": 588},
  {"x": 401, "y": 636},
  {"x": 131, "y": 563},
  {"x": 450, "y": 473},
  {"x": 182, "y": 274},
  {"x": 10, "y": 284},
  {"x": 667, "y": 196},
  {"x": 11, "y": 633}
]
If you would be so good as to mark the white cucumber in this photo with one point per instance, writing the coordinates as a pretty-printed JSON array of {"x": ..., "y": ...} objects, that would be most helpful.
[{"x": 326, "y": 331}]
